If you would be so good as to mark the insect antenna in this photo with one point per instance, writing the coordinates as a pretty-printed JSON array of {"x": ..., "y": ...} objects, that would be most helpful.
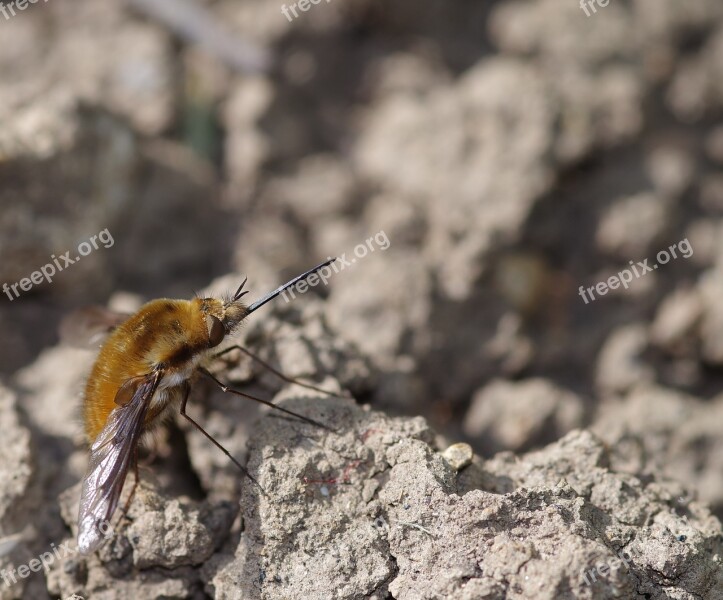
[
  {"x": 239, "y": 293},
  {"x": 270, "y": 296}
]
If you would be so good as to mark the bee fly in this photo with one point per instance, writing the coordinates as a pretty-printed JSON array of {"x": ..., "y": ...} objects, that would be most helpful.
[{"x": 144, "y": 369}]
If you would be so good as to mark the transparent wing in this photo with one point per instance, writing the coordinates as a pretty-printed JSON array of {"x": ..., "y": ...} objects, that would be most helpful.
[
  {"x": 87, "y": 327},
  {"x": 110, "y": 457}
]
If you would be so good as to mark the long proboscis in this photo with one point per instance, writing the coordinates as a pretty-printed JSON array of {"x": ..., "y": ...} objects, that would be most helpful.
[{"x": 279, "y": 290}]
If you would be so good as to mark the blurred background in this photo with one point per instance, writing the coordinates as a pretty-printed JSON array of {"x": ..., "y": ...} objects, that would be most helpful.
[{"x": 509, "y": 151}]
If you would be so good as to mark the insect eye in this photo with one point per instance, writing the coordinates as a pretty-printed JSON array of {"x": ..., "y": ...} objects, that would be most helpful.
[{"x": 216, "y": 332}]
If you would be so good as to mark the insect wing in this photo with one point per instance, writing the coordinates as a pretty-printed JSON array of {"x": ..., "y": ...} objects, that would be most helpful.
[
  {"x": 110, "y": 457},
  {"x": 88, "y": 327}
]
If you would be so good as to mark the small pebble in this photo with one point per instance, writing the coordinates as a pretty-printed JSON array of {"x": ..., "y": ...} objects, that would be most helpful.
[{"x": 458, "y": 456}]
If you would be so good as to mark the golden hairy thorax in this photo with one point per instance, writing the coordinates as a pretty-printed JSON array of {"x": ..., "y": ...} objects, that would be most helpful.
[{"x": 169, "y": 332}]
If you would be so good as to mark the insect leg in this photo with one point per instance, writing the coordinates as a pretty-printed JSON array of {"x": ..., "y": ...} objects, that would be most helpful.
[
  {"x": 215, "y": 442},
  {"x": 276, "y": 372},
  {"x": 226, "y": 388}
]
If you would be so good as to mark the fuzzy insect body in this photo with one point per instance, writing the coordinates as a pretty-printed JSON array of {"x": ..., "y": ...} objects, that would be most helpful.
[
  {"x": 171, "y": 334},
  {"x": 143, "y": 369}
]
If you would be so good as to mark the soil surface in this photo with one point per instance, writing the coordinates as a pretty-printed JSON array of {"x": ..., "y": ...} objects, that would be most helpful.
[{"x": 523, "y": 331}]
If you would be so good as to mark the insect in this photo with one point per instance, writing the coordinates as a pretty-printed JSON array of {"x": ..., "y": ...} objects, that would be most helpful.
[{"x": 144, "y": 370}]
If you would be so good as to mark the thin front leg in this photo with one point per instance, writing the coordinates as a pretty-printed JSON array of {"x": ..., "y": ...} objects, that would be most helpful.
[
  {"x": 230, "y": 390},
  {"x": 215, "y": 442},
  {"x": 275, "y": 371}
]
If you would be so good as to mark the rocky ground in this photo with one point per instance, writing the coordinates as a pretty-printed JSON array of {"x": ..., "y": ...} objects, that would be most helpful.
[
  {"x": 380, "y": 507},
  {"x": 508, "y": 438}
]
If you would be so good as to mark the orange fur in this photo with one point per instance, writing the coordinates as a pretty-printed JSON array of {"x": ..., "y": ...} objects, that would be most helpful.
[{"x": 168, "y": 332}]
